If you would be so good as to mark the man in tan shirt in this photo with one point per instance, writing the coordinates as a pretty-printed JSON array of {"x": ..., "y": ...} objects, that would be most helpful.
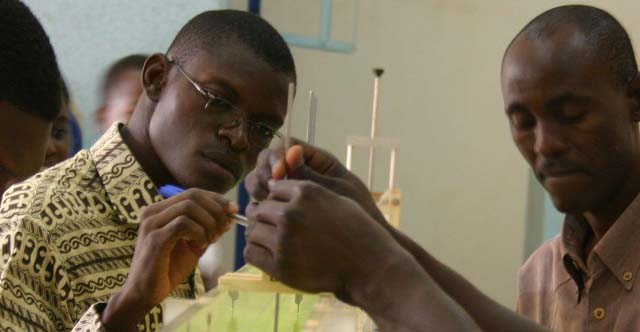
[
  {"x": 572, "y": 97},
  {"x": 571, "y": 91}
]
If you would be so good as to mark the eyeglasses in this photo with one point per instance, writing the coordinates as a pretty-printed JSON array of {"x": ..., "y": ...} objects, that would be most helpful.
[{"x": 230, "y": 116}]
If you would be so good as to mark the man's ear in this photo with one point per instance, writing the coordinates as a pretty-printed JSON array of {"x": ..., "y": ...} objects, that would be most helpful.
[
  {"x": 154, "y": 75},
  {"x": 634, "y": 97}
]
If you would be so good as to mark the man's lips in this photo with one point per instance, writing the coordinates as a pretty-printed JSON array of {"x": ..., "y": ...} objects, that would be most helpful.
[
  {"x": 561, "y": 176},
  {"x": 560, "y": 173}
]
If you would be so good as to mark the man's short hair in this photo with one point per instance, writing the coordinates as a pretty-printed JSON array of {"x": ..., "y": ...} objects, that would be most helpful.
[
  {"x": 129, "y": 62},
  {"x": 607, "y": 37},
  {"x": 29, "y": 75},
  {"x": 211, "y": 30}
]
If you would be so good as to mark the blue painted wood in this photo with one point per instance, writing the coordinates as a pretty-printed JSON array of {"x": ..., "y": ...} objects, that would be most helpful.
[
  {"x": 254, "y": 6},
  {"x": 317, "y": 43},
  {"x": 241, "y": 242},
  {"x": 325, "y": 32},
  {"x": 323, "y": 41}
]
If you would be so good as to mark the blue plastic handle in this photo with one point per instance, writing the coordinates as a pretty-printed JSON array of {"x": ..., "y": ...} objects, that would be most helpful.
[{"x": 169, "y": 190}]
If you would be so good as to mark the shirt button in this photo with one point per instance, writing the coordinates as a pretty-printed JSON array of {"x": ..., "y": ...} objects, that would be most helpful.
[
  {"x": 627, "y": 276},
  {"x": 599, "y": 313}
]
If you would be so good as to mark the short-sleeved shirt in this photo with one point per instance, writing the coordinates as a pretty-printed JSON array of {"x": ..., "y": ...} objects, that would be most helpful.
[
  {"x": 67, "y": 237},
  {"x": 561, "y": 290}
]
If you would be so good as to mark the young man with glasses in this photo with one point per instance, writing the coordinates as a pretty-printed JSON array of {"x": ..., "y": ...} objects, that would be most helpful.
[{"x": 90, "y": 244}]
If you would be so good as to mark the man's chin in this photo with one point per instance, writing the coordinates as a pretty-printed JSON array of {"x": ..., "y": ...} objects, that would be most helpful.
[
  {"x": 207, "y": 176},
  {"x": 570, "y": 205},
  {"x": 218, "y": 185}
]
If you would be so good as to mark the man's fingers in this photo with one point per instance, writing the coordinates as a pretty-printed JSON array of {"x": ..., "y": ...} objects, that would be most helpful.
[
  {"x": 278, "y": 168},
  {"x": 262, "y": 172},
  {"x": 187, "y": 194},
  {"x": 260, "y": 257},
  {"x": 181, "y": 228},
  {"x": 269, "y": 211},
  {"x": 283, "y": 191},
  {"x": 220, "y": 214},
  {"x": 274, "y": 164},
  {"x": 305, "y": 172},
  {"x": 262, "y": 234},
  {"x": 201, "y": 206},
  {"x": 319, "y": 160},
  {"x": 185, "y": 208},
  {"x": 256, "y": 184},
  {"x": 294, "y": 158}
]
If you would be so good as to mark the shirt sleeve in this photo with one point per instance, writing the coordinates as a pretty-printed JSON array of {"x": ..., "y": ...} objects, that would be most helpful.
[
  {"x": 91, "y": 320},
  {"x": 35, "y": 293}
]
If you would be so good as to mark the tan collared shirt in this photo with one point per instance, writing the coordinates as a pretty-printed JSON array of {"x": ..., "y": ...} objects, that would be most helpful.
[
  {"x": 562, "y": 291},
  {"x": 67, "y": 237}
]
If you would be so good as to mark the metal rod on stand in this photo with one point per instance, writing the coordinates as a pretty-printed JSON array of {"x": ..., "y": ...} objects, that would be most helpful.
[
  {"x": 374, "y": 115},
  {"x": 311, "y": 122}
]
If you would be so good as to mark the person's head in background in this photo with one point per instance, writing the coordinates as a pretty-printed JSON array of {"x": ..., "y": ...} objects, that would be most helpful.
[
  {"x": 29, "y": 92},
  {"x": 121, "y": 88},
  {"x": 213, "y": 102},
  {"x": 66, "y": 138},
  {"x": 572, "y": 95}
]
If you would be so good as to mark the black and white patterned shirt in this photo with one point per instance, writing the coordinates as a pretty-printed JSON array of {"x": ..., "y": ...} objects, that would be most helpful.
[{"x": 67, "y": 237}]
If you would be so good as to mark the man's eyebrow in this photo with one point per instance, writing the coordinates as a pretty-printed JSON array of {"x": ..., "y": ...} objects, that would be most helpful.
[
  {"x": 565, "y": 98},
  {"x": 514, "y": 108},
  {"x": 270, "y": 119},
  {"x": 220, "y": 85}
]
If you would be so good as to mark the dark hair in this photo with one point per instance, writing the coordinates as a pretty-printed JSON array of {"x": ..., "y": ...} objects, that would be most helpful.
[
  {"x": 129, "y": 62},
  {"x": 211, "y": 30},
  {"x": 607, "y": 37},
  {"x": 29, "y": 75}
]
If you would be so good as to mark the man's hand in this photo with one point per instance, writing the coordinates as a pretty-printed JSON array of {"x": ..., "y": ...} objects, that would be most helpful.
[
  {"x": 306, "y": 162},
  {"x": 317, "y": 241},
  {"x": 173, "y": 234}
]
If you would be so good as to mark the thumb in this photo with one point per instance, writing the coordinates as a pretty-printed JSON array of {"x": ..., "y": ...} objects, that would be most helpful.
[
  {"x": 296, "y": 167},
  {"x": 304, "y": 172},
  {"x": 299, "y": 170},
  {"x": 282, "y": 167},
  {"x": 294, "y": 158}
]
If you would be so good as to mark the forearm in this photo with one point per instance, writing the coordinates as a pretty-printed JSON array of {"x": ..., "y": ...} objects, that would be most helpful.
[
  {"x": 402, "y": 297},
  {"x": 487, "y": 313}
]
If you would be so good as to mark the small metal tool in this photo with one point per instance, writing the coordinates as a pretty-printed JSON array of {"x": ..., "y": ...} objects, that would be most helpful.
[{"x": 169, "y": 190}]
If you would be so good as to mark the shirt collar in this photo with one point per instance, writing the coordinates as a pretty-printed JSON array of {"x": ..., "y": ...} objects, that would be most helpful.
[
  {"x": 126, "y": 184},
  {"x": 616, "y": 249},
  {"x": 575, "y": 234}
]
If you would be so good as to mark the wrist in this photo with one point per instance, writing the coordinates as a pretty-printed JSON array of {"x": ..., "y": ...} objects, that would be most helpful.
[
  {"x": 123, "y": 312},
  {"x": 371, "y": 289}
]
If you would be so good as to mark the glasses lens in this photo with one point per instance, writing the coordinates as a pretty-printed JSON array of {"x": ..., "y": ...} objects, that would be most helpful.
[{"x": 261, "y": 134}]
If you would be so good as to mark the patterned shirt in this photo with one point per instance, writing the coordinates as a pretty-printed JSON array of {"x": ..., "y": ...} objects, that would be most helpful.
[
  {"x": 564, "y": 290},
  {"x": 67, "y": 237}
]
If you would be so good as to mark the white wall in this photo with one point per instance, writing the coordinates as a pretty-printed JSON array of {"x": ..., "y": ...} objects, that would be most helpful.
[
  {"x": 464, "y": 184},
  {"x": 89, "y": 35}
]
